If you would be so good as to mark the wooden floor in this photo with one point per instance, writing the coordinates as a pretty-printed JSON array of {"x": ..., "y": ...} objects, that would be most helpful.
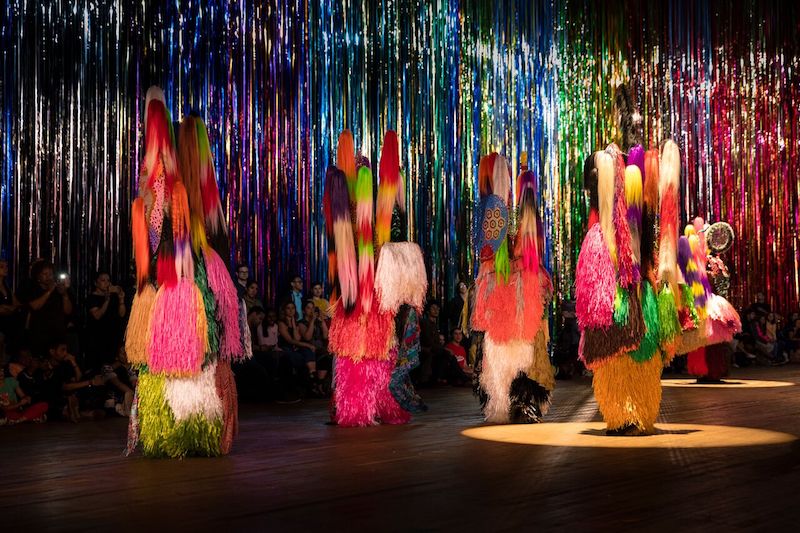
[{"x": 291, "y": 472}]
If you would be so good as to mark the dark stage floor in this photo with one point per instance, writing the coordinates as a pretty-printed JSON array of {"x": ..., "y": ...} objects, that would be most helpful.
[{"x": 289, "y": 471}]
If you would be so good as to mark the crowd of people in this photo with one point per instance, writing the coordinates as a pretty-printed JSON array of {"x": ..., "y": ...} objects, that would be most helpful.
[{"x": 62, "y": 360}]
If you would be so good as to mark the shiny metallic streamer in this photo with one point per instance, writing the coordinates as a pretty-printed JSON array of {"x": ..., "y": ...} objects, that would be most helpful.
[{"x": 276, "y": 81}]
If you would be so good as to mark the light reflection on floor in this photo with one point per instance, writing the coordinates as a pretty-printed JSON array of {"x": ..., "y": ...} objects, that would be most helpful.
[
  {"x": 592, "y": 435},
  {"x": 728, "y": 383}
]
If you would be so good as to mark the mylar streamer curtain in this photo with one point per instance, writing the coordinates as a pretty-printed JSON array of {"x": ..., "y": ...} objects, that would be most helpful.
[{"x": 277, "y": 80}]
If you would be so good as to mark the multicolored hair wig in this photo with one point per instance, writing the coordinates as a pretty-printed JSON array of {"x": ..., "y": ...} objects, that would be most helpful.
[
  {"x": 669, "y": 177},
  {"x": 346, "y": 262},
  {"x": 366, "y": 255},
  {"x": 389, "y": 173},
  {"x": 650, "y": 209},
  {"x": 486, "y": 174},
  {"x": 346, "y": 161},
  {"x": 527, "y": 240}
]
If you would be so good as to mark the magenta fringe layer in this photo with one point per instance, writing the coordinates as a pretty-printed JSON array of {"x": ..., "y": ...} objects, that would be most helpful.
[
  {"x": 360, "y": 335},
  {"x": 221, "y": 284},
  {"x": 358, "y": 386},
  {"x": 723, "y": 321},
  {"x": 175, "y": 348},
  {"x": 595, "y": 282},
  {"x": 389, "y": 411}
]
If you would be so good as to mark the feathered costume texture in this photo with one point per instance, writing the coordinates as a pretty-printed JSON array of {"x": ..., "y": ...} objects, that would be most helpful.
[
  {"x": 512, "y": 290},
  {"x": 362, "y": 331},
  {"x": 185, "y": 324}
]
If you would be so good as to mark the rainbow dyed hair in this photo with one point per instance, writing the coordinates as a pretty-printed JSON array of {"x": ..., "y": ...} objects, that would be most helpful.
[{"x": 389, "y": 173}]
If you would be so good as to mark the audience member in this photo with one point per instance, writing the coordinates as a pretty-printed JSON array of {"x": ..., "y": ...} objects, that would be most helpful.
[
  {"x": 50, "y": 304},
  {"x": 431, "y": 346},
  {"x": 9, "y": 326},
  {"x": 242, "y": 279},
  {"x": 251, "y": 297},
  {"x": 290, "y": 340},
  {"x": 15, "y": 405},
  {"x": 296, "y": 295},
  {"x": 318, "y": 293},
  {"x": 760, "y": 306},
  {"x": 121, "y": 380},
  {"x": 314, "y": 330},
  {"x": 458, "y": 315},
  {"x": 104, "y": 325},
  {"x": 456, "y": 348},
  {"x": 68, "y": 388}
]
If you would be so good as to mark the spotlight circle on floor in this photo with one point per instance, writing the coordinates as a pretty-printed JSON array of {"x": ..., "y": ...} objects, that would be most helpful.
[
  {"x": 592, "y": 435},
  {"x": 728, "y": 383}
]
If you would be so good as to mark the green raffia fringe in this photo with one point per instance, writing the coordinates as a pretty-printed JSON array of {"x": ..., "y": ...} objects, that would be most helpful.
[
  {"x": 621, "y": 306},
  {"x": 688, "y": 301},
  {"x": 201, "y": 280},
  {"x": 669, "y": 325},
  {"x": 502, "y": 265},
  {"x": 649, "y": 345},
  {"x": 161, "y": 436}
]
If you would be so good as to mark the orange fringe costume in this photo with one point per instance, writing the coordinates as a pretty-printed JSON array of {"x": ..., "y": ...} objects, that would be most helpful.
[{"x": 512, "y": 292}]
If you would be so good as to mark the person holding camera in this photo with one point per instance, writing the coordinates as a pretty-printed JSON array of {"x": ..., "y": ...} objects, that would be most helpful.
[
  {"x": 49, "y": 304},
  {"x": 107, "y": 310},
  {"x": 314, "y": 330}
]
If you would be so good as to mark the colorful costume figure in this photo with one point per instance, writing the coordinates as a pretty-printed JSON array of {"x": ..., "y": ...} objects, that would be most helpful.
[
  {"x": 186, "y": 324},
  {"x": 371, "y": 382},
  {"x": 616, "y": 302},
  {"x": 515, "y": 378},
  {"x": 707, "y": 346}
]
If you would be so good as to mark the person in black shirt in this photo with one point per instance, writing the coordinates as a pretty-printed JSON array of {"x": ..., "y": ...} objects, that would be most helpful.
[
  {"x": 107, "y": 310},
  {"x": 8, "y": 313},
  {"x": 49, "y": 303}
]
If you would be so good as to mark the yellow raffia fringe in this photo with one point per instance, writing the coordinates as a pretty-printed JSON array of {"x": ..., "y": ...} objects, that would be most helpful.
[
  {"x": 202, "y": 323},
  {"x": 628, "y": 392},
  {"x": 137, "y": 335},
  {"x": 541, "y": 371}
]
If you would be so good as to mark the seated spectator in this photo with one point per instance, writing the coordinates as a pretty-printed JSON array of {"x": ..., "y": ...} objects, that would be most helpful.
[
  {"x": 104, "y": 326},
  {"x": 9, "y": 305},
  {"x": 271, "y": 372},
  {"x": 268, "y": 331},
  {"x": 458, "y": 315},
  {"x": 314, "y": 330},
  {"x": 121, "y": 380},
  {"x": 290, "y": 340},
  {"x": 295, "y": 296},
  {"x": 68, "y": 389},
  {"x": 765, "y": 345},
  {"x": 779, "y": 354},
  {"x": 760, "y": 307},
  {"x": 241, "y": 280},
  {"x": 15, "y": 405},
  {"x": 430, "y": 346},
  {"x": 318, "y": 294},
  {"x": 50, "y": 304},
  {"x": 456, "y": 348},
  {"x": 251, "y": 297}
]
